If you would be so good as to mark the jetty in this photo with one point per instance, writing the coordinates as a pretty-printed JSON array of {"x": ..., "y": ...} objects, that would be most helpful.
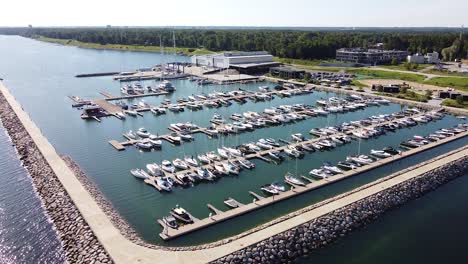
[{"x": 262, "y": 202}]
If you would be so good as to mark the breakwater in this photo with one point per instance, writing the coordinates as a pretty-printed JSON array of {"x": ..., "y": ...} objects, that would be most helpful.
[
  {"x": 302, "y": 240},
  {"x": 79, "y": 243}
]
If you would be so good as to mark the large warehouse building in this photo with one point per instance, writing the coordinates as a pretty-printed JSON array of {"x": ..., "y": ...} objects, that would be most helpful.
[{"x": 245, "y": 62}]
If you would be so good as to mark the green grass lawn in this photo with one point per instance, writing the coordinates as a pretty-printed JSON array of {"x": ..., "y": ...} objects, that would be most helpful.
[
  {"x": 446, "y": 73},
  {"x": 401, "y": 67},
  {"x": 453, "y": 82},
  {"x": 453, "y": 103},
  {"x": 380, "y": 74},
  {"x": 69, "y": 42}
]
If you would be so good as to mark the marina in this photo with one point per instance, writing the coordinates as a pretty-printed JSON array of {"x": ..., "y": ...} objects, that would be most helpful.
[
  {"x": 142, "y": 204},
  {"x": 171, "y": 233}
]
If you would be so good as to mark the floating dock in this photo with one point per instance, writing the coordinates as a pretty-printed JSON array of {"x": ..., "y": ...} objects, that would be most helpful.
[{"x": 169, "y": 233}]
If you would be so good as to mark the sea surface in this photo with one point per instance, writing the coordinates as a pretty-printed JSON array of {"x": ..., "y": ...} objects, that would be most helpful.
[{"x": 41, "y": 76}]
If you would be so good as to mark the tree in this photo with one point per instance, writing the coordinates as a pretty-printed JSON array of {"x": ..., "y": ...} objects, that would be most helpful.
[
  {"x": 428, "y": 94},
  {"x": 459, "y": 99},
  {"x": 394, "y": 61},
  {"x": 403, "y": 89}
]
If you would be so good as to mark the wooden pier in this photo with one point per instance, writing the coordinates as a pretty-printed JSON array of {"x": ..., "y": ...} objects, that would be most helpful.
[{"x": 169, "y": 233}]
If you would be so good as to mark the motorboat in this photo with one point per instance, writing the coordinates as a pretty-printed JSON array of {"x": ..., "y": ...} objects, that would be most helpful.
[
  {"x": 185, "y": 136},
  {"x": 410, "y": 144},
  {"x": 269, "y": 189},
  {"x": 224, "y": 153},
  {"x": 319, "y": 173},
  {"x": 278, "y": 186},
  {"x": 157, "y": 143},
  {"x": 271, "y": 142},
  {"x": 289, "y": 178},
  {"x": 231, "y": 203},
  {"x": 180, "y": 164},
  {"x": 346, "y": 165},
  {"x": 120, "y": 115},
  {"x": 139, "y": 173},
  {"x": 264, "y": 88},
  {"x": 204, "y": 158},
  {"x": 293, "y": 152},
  {"x": 132, "y": 113},
  {"x": 276, "y": 155},
  {"x": 143, "y": 133},
  {"x": 164, "y": 184},
  {"x": 246, "y": 164},
  {"x": 233, "y": 151},
  {"x": 380, "y": 153},
  {"x": 361, "y": 160},
  {"x": 181, "y": 214},
  {"x": 264, "y": 145},
  {"x": 221, "y": 169},
  {"x": 166, "y": 86},
  {"x": 298, "y": 137},
  {"x": 170, "y": 221},
  {"x": 333, "y": 169},
  {"x": 191, "y": 161},
  {"x": 144, "y": 145},
  {"x": 174, "y": 138},
  {"x": 308, "y": 147},
  {"x": 230, "y": 168},
  {"x": 212, "y": 156},
  {"x": 131, "y": 135},
  {"x": 167, "y": 166},
  {"x": 154, "y": 169}
]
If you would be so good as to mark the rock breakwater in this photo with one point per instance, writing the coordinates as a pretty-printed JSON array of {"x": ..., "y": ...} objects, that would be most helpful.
[{"x": 299, "y": 241}]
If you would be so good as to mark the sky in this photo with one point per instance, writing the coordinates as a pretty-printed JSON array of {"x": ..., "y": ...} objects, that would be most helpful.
[{"x": 257, "y": 13}]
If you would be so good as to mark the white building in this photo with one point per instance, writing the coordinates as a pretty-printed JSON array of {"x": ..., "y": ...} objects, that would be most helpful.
[
  {"x": 429, "y": 58},
  {"x": 234, "y": 60}
]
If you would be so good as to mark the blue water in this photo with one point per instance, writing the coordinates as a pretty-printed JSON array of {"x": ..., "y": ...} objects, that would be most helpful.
[
  {"x": 26, "y": 235},
  {"x": 43, "y": 76}
]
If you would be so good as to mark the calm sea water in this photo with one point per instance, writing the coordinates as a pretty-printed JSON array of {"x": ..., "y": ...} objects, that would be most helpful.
[
  {"x": 42, "y": 76},
  {"x": 26, "y": 235}
]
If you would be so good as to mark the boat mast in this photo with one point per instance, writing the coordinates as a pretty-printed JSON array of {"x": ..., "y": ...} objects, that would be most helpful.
[{"x": 162, "y": 54}]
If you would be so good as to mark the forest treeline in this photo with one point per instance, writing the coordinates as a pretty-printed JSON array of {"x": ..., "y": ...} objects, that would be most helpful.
[{"x": 282, "y": 43}]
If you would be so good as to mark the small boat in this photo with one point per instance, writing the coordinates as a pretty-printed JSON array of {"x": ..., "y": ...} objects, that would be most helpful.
[
  {"x": 174, "y": 138},
  {"x": 391, "y": 151},
  {"x": 132, "y": 113},
  {"x": 144, "y": 145},
  {"x": 185, "y": 137},
  {"x": 278, "y": 186},
  {"x": 131, "y": 135},
  {"x": 298, "y": 137},
  {"x": 246, "y": 164},
  {"x": 269, "y": 189},
  {"x": 293, "y": 152},
  {"x": 170, "y": 221},
  {"x": 264, "y": 88},
  {"x": 276, "y": 155},
  {"x": 333, "y": 169},
  {"x": 410, "y": 144},
  {"x": 191, "y": 161},
  {"x": 359, "y": 160},
  {"x": 231, "y": 203},
  {"x": 182, "y": 215},
  {"x": 143, "y": 133},
  {"x": 380, "y": 153},
  {"x": 154, "y": 169},
  {"x": 204, "y": 158},
  {"x": 221, "y": 169},
  {"x": 164, "y": 184},
  {"x": 289, "y": 178},
  {"x": 120, "y": 115},
  {"x": 346, "y": 165},
  {"x": 319, "y": 173},
  {"x": 308, "y": 147},
  {"x": 166, "y": 86},
  {"x": 139, "y": 173},
  {"x": 230, "y": 168},
  {"x": 185, "y": 178},
  {"x": 167, "y": 166},
  {"x": 180, "y": 164},
  {"x": 224, "y": 153}
]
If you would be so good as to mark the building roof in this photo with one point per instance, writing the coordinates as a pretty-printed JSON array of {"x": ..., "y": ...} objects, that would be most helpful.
[
  {"x": 252, "y": 65},
  {"x": 286, "y": 69}
]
